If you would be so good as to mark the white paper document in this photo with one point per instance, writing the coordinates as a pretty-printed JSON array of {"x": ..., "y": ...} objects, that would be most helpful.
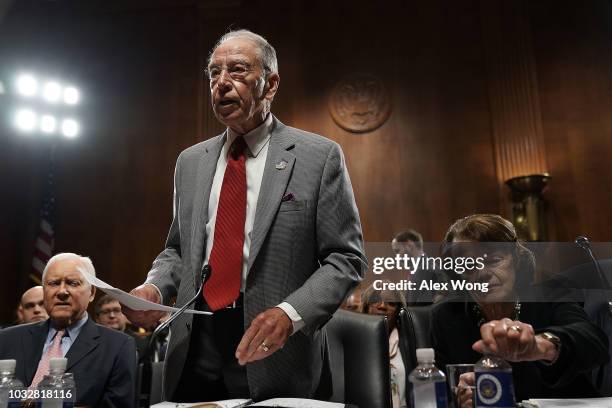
[
  {"x": 297, "y": 403},
  {"x": 239, "y": 403},
  {"x": 234, "y": 403},
  {"x": 131, "y": 301},
  {"x": 568, "y": 403}
]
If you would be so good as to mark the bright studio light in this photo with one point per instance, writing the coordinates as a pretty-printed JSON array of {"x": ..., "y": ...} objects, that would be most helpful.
[
  {"x": 61, "y": 96},
  {"x": 27, "y": 85},
  {"x": 52, "y": 91},
  {"x": 48, "y": 124},
  {"x": 70, "y": 128},
  {"x": 25, "y": 120},
  {"x": 71, "y": 95}
]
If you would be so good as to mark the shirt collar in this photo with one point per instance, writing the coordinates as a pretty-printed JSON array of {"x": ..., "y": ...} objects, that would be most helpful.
[
  {"x": 256, "y": 139},
  {"x": 72, "y": 331}
]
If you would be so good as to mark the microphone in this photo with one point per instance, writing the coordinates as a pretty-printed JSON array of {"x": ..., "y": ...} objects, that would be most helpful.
[
  {"x": 584, "y": 244},
  {"x": 204, "y": 276},
  {"x": 145, "y": 360}
]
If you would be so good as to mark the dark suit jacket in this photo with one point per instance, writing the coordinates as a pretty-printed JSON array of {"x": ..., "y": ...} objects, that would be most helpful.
[
  {"x": 142, "y": 342},
  {"x": 584, "y": 347},
  {"x": 102, "y": 360},
  {"x": 306, "y": 250}
]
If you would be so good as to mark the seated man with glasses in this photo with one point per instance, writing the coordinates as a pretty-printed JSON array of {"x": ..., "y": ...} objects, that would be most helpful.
[{"x": 109, "y": 314}]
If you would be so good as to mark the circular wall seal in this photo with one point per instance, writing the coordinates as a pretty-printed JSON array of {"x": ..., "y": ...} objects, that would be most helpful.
[{"x": 360, "y": 103}]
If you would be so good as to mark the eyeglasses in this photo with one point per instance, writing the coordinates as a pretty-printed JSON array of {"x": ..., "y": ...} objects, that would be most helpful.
[
  {"x": 105, "y": 312},
  {"x": 382, "y": 303},
  {"x": 236, "y": 72}
]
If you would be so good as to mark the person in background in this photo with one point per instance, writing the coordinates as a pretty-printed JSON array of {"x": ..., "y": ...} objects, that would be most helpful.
[
  {"x": 410, "y": 242},
  {"x": 353, "y": 301},
  {"x": 389, "y": 304},
  {"x": 161, "y": 342},
  {"x": 109, "y": 314},
  {"x": 551, "y": 345},
  {"x": 32, "y": 306},
  {"x": 102, "y": 360}
]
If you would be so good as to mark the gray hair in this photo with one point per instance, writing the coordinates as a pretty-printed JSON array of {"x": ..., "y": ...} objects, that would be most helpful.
[
  {"x": 265, "y": 52},
  {"x": 84, "y": 264}
]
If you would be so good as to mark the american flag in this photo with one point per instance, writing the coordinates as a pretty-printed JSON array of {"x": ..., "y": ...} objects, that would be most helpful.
[{"x": 45, "y": 240}]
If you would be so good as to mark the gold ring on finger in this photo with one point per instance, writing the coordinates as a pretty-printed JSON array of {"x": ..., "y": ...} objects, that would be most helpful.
[
  {"x": 265, "y": 347},
  {"x": 516, "y": 328}
]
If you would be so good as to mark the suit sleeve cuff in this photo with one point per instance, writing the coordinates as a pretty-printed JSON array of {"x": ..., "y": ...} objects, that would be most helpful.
[{"x": 295, "y": 317}]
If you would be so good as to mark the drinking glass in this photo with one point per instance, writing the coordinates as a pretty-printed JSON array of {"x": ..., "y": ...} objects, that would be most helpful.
[{"x": 453, "y": 372}]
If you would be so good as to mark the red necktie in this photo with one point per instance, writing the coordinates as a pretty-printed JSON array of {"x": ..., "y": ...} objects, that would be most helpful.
[{"x": 223, "y": 286}]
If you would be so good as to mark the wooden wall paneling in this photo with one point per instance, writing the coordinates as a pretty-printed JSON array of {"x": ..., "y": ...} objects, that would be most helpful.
[
  {"x": 513, "y": 94},
  {"x": 575, "y": 85},
  {"x": 402, "y": 173},
  {"x": 433, "y": 161},
  {"x": 162, "y": 117},
  {"x": 215, "y": 18}
]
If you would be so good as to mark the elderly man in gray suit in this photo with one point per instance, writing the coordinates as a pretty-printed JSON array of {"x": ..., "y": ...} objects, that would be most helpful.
[{"x": 271, "y": 209}]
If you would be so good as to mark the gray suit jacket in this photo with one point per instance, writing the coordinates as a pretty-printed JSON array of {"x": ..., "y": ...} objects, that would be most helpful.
[{"x": 307, "y": 251}]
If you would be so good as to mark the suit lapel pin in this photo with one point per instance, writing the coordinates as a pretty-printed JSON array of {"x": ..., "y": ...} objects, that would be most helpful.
[{"x": 281, "y": 165}]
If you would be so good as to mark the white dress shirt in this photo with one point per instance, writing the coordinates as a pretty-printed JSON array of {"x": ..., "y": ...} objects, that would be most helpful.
[
  {"x": 256, "y": 153},
  {"x": 398, "y": 372},
  {"x": 258, "y": 141}
]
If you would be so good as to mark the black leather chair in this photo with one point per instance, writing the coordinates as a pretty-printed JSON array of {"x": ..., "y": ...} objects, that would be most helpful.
[
  {"x": 414, "y": 324},
  {"x": 358, "y": 352},
  {"x": 157, "y": 372},
  {"x": 156, "y": 382}
]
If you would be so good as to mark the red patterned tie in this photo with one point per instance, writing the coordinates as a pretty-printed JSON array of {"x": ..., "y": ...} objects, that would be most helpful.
[{"x": 226, "y": 255}]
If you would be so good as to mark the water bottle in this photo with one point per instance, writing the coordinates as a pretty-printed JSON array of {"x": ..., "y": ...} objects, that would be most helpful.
[
  {"x": 9, "y": 385},
  {"x": 54, "y": 390},
  {"x": 494, "y": 387},
  {"x": 428, "y": 382},
  {"x": 70, "y": 390}
]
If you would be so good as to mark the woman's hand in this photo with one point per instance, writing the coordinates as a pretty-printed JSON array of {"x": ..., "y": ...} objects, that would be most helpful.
[{"x": 513, "y": 340}]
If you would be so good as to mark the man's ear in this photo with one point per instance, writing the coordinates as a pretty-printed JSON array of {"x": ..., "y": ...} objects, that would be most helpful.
[
  {"x": 271, "y": 86},
  {"x": 93, "y": 293}
]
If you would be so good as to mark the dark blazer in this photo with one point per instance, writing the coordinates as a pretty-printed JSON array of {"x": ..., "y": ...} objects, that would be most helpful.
[
  {"x": 306, "y": 249},
  {"x": 584, "y": 347},
  {"x": 142, "y": 342},
  {"x": 102, "y": 360}
]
